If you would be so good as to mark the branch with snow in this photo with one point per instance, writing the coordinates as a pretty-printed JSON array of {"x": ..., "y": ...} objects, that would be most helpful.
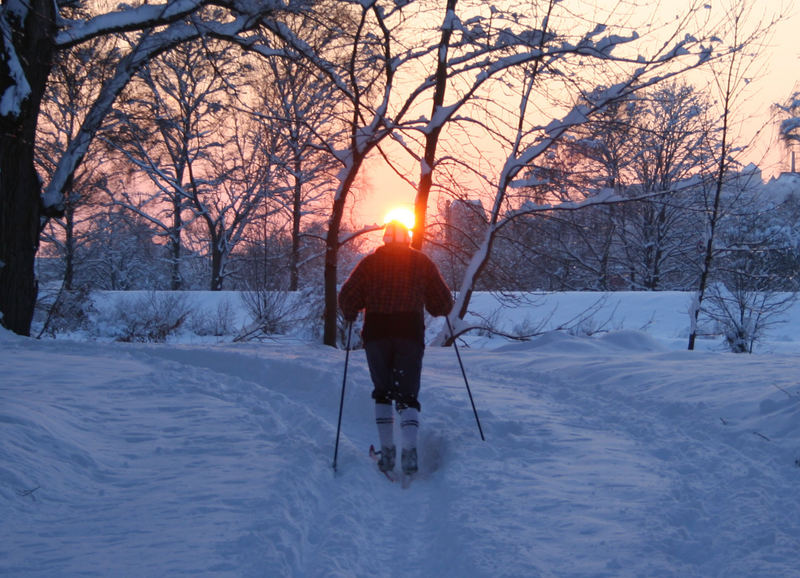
[
  {"x": 18, "y": 88},
  {"x": 244, "y": 16}
]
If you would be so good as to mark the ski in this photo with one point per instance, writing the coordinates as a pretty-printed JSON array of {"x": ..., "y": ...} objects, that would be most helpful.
[{"x": 374, "y": 455}]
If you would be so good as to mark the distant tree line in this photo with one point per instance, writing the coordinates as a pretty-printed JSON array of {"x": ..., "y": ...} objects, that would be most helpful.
[{"x": 653, "y": 152}]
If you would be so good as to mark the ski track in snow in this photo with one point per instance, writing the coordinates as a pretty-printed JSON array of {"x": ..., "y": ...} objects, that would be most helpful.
[{"x": 604, "y": 457}]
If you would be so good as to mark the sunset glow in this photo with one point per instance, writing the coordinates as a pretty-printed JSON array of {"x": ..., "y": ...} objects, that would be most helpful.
[{"x": 401, "y": 215}]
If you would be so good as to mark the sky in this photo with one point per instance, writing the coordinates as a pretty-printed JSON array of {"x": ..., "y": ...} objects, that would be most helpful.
[{"x": 777, "y": 77}]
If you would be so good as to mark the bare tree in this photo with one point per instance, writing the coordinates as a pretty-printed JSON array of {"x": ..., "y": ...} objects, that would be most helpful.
[
  {"x": 244, "y": 184},
  {"x": 301, "y": 103},
  {"x": 74, "y": 80},
  {"x": 755, "y": 277},
  {"x": 646, "y": 146},
  {"x": 118, "y": 253},
  {"x": 730, "y": 80},
  {"x": 671, "y": 144},
  {"x": 376, "y": 42},
  {"x": 169, "y": 124}
]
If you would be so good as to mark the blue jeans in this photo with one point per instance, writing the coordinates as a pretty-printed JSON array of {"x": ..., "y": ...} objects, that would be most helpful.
[{"x": 395, "y": 365}]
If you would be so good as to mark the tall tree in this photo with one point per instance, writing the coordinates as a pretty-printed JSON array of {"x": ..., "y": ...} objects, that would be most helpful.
[
  {"x": 169, "y": 123},
  {"x": 75, "y": 77},
  {"x": 242, "y": 183},
  {"x": 300, "y": 103},
  {"x": 27, "y": 49},
  {"x": 670, "y": 143},
  {"x": 646, "y": 146},
  {"x": 730, "y": 80}
]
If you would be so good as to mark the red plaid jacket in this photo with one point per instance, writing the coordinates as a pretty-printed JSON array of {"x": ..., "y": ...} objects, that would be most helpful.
[{"x": 393, "y": 285}]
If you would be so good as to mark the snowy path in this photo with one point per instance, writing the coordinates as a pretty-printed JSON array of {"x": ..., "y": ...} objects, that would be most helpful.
[{"x": 604, "y": 457}]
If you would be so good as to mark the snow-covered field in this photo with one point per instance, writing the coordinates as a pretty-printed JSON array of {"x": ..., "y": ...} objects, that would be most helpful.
[{"x": 620, "y": 454}]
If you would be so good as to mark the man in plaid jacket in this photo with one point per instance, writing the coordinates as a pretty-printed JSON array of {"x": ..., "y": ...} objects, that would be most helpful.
[{"x": 393, "y": 285}]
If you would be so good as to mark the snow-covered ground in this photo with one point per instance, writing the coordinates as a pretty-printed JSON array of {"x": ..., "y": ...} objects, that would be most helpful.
[{"x": 620, "y": 454}]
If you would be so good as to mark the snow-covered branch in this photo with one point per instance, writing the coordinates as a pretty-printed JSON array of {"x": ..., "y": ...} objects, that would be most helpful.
[
  {"x": 125, "y": 20},
  {"x": 149, "y": 46}
]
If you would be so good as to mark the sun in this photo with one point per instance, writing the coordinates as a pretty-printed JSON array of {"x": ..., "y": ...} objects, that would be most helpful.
[{"x": 401, "y": 215}]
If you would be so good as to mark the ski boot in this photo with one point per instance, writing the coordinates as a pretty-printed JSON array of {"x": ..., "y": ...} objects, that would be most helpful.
[
  {"x": 386, "y": 460},
  {"x": 408, "y": 460}
]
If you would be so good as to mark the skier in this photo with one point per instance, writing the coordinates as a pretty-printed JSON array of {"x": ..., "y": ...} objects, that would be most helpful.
[{"x": 393, "y": 284}]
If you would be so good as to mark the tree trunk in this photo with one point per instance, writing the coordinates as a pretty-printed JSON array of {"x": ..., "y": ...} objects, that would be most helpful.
[
  {"x": 432, "y": 137},
  {"x": 331, "y": 273},
  {"x": 176, "y": 282},
  {"x": 714, "y": 216},
  {"x": 332, "y": 244},
  {"x": 216, "y": 265},
  {"x": 297, "y": 212},
  {"x": 69, "y": 245},
  {"x": 20, "y": 189}
]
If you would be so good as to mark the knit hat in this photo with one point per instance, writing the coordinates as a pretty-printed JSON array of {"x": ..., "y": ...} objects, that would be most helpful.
[{"x": 396, "y": 232}]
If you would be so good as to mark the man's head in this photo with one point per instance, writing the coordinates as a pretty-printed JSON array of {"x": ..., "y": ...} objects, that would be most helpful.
[{"x": 396, "y": 232}]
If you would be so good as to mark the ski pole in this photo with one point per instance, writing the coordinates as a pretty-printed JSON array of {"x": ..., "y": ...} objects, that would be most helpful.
[
  {"x": 341, "y": 401},
  {"x": 464, "y": 373}
]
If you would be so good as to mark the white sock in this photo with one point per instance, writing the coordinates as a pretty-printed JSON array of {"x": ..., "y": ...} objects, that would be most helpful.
[
  {"x": 384, "y": 419},
  {"x": 409, "y": 426}
]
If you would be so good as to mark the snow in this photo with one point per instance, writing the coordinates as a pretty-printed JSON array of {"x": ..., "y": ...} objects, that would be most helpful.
[
  {"x": 577, "y": 116},
  {"x": 779, "y": 189},
  {"x": 19, "y": 88},
  {"x": 620, "y": 454},
  {"x": 126, "y": 17},
  {"x": 790, "y": 125}
]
